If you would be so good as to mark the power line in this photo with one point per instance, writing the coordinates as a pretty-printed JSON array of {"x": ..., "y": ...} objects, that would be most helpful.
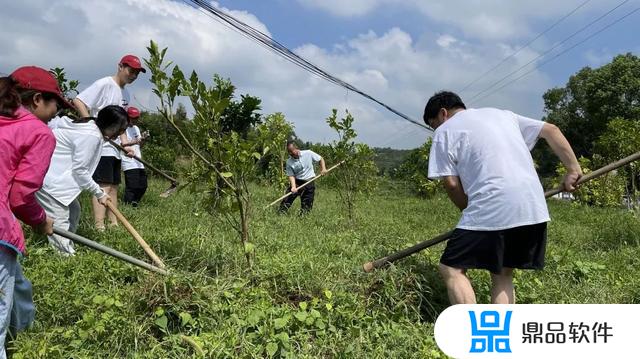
[
  {"x": 560, "y": 53},
  {"x": 525, "y": 46},
  {"x": 547, "y": 52},
  {"x": 283, "y": 51}
]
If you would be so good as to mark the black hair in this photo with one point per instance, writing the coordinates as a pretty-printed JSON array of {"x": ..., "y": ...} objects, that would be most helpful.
[
  {"x": 12, "y": 96},
  {"x": 292, "y": 142},
  {"x": 443, "y": 99},
  {"x": 113, "y": 119},
  {"x": 9, "y": 96}
]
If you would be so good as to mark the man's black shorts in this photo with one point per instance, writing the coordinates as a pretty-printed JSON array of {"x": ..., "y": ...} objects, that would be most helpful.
[
  {"x": 519, "y": 247},
  {"x": 108, "y": 170}
]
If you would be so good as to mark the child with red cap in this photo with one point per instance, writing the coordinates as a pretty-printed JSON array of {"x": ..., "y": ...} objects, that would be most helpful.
[
  {"x": 107, "y": 91},
  {"x": 135, "y": 177},
  {"x": 29, "y": 98}
]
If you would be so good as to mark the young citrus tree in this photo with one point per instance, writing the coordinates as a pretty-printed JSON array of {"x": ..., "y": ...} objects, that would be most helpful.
[
  {"x": 414, "y": 171},
  {"x": 357, "y": 175},
  {"x": 224, "y": 159},
  {"x": 275, "y": 132},
  {"x": 621, "y": 139},
  {"x": 605, "y": 191}
]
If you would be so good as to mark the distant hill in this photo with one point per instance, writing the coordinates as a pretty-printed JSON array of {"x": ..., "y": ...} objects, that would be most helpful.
[{"x": 389, "y": 158}]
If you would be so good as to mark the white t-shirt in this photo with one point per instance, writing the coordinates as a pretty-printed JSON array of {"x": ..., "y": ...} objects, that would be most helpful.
[
  {"x": 74, "y": 160},
  {"x": 302, "y": 167},
  {"x": 55, "y": 122},
  {"x": 100, "y": 94},
  {"x": 489, "y": 150},
  {"x": 128, "y": 163}
]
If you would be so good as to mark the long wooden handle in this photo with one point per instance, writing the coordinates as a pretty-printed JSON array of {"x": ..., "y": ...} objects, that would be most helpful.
[
  {"x": 173, "y": 181},
  {"x": 107, "y": 250},
  {"x": 306, "y": 183},
  {"x": 384, "y": 261},
  {"x": 158, "y": 262}
]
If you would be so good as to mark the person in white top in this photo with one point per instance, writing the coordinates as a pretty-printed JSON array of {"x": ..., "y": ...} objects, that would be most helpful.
[
  {"x": 299, "y": 170},
  {"x": 106, "y": 91},
  {"x": 135, "y": 177},
  {"x": 77, "y": 152},
  {"x": 483, "y": 158}
]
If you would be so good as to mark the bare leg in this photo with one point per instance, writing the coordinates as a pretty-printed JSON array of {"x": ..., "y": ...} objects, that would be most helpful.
[
  {"x": 458, "y": 285},
  {"x": 502, "y": 291},
  {"x": 99, "y": 211},
  {"x": 113, "y": 194}
]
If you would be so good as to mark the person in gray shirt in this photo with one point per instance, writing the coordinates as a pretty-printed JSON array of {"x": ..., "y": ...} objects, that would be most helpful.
[{"x": 299, "y": 169}]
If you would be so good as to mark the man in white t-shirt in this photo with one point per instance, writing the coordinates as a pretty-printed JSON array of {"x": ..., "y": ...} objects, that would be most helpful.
[
  {"x": 135, "y": 177},
  {"x": 299, "y": 170},
  {"x": 483, "y": 157},
  {"x": 107, "y": 91}
]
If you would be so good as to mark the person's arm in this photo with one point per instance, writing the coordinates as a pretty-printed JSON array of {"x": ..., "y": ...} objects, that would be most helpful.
[
  {"x": 292, "y": 183},
  {"x": 89, "y": 98},
  {"x": 442, "y": 166},
  {"x": 124, "y": 142},
  {"x": 454, "y": 189},
  {"x": 83, "y": 111},
  {"x": 28, "y": 179},
  {"x": 317, "y": 158},
  {"x": 561, "y": 147},
  {"x": 323, "y": 166}
]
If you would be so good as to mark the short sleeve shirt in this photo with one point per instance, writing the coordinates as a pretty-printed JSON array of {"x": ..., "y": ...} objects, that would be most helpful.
[
  {"x": 128, "y": 163},
  {"x": 100, "y": 94},
  {"x": 489, "y": 150},
  {"x": 302, "y": 167}
]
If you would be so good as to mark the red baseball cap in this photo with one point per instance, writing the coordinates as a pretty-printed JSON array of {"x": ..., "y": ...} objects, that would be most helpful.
[
  {"x": 133, "y": 112},
  {"x": 133, "y": 62},
  {"x": 39, "y": 79}
]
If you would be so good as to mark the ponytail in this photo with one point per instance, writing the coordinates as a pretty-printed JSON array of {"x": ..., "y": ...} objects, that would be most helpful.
[{"x": 9, "y": 97}]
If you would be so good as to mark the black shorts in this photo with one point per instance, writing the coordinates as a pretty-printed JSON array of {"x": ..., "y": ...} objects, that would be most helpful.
[
  {"x": 520, "y": 247},
  {"x": 108, "y": 170},
  {"x": 135, "y": 178}
]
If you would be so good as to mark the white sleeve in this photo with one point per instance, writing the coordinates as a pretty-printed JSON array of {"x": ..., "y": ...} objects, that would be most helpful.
[
  {"x": 126, "y": 99},
  {"x": 315, "y": 157},
  {"x": 442, "y": 161},
  {"x": 136, "y": 132},
  {"x": 85, "y": 150},
  {"x": 92, "y": 95},
  {"x": 529, "y": 128},
  {"x": 289, "y": 169}
]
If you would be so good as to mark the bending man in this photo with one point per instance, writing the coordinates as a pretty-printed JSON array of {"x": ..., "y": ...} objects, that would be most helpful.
[
  {"x": 482, "y": 155},
  {"x": 299, "y": 169}
]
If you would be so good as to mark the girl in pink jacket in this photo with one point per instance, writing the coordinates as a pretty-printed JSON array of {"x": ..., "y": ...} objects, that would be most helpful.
[{"x": 29, "y": 98}]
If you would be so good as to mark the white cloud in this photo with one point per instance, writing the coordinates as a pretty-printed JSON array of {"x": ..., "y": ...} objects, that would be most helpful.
[
  {"x": 446, "y": 40},
  {"x": 479, "y": 19},
  {"x": 88, "y": 38},
  {"x": 343, "y": 8}
]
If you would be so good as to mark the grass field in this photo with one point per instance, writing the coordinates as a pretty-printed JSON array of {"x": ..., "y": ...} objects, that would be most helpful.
[{"x": 307, "y": 296}]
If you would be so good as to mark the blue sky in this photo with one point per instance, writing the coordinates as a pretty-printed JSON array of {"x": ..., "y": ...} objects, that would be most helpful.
[
  {"x": 294, "y": 24},
  {"x": 400, "y": 51}
]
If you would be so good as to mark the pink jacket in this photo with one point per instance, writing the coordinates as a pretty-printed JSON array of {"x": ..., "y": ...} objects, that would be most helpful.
[{"x": 26, "y": 146}]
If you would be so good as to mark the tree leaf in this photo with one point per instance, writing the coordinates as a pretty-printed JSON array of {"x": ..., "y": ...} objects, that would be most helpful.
[
  {"x": 185, "y": 318},
  {"x": 162, "y": 322},
  {"x": 280, "y": 323},
  {"x": 249, "y": 247},
  {"x": 272, "y": 348}
]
